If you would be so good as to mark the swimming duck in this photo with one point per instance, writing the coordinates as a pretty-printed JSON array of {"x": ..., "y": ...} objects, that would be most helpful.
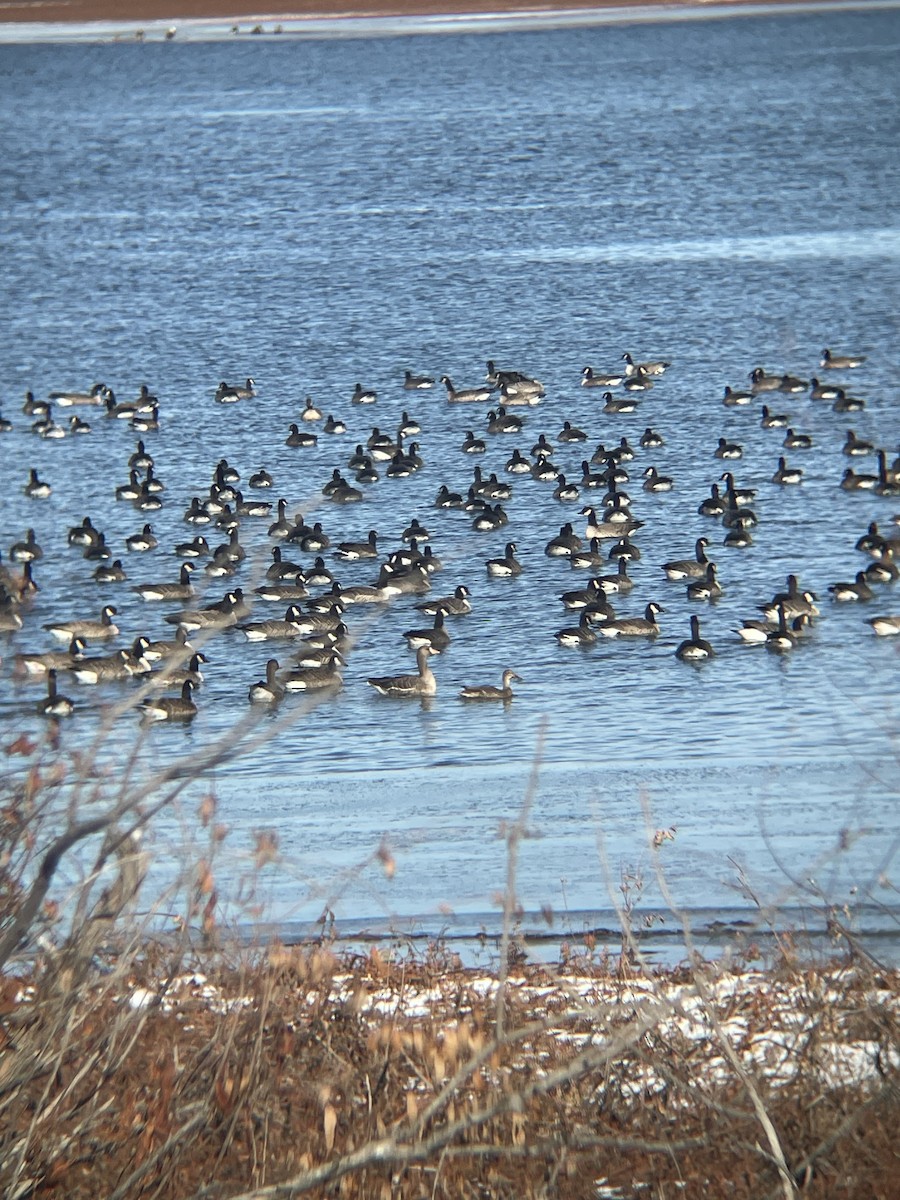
[
  {"x": 54, "y": 704},
  {"x": 423, "y": 684},
  {"x": 503, "y": 693},
  {"x": 171, "y": 708},
  {"x": 841, "y": 362},
  {"x": 695, "y": 648},
  {"x": 645, "y": 626}
]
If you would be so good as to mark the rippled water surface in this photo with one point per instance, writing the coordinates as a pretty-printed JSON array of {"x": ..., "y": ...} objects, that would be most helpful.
[{"x": 314, "y": 214}]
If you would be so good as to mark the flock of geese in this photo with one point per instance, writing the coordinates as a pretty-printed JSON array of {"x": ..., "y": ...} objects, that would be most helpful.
[{"x": 315, "y": 634}]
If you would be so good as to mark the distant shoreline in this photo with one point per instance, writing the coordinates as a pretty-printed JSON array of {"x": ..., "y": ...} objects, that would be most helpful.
[{"x": 125, "y": 14}]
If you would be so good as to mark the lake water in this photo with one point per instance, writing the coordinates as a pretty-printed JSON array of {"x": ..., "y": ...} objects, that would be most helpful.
[{"x": 313, "y": 213}]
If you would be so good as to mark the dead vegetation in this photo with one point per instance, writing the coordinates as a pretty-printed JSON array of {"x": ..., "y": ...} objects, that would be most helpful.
[{"x": 134, "y": 1066}]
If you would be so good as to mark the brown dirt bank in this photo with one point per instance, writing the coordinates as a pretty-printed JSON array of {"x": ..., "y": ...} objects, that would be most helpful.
[{"x": 138, "y": 11}]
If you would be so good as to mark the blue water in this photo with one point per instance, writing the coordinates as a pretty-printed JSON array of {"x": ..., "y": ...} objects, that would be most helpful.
[{"x": 316, "y": 213}]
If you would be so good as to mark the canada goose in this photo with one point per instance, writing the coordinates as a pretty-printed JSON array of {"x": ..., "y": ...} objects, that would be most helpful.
[
  {"x": 714, "y": 505},
  {"x": 871, "y": 540},
  {"x": 178, "y": 647},
  {"x": 823, "y": 391},
  {"x": 613, "y": 404},
  {"x": 739, "y": 495},
  {"x": 409, "y": 426},
  {"x": 624, "y": 548},
  {"x": 36, "y": 488},
  {"x": 619, "y": 583},
  {"x": 523, "y": 392},
  {"x": 781, "y": 640},
  {"x": 310, "y": 411},
  {"x": 83, "y": 534},
  {"x": 198, "y": 547},
  {"x": 89, "y": 630},
  {"x": 315, "y": 539},
  {"x": 182, "y": 590},
  {"x": 695, "y": 648},
  {"x": 689, "y": 568},
  {"x": 726, "y": 449},
  {"x": 289, "y": 627},
  {"x": 888, "y": 483},
  {"x": 859, "y": 590},
  {"x": 322, "y": 675},
  {"x": 565, "y": 542},
  {"x": 415, "y": 383},
  {"x": 853, "y": 481},
  {"x": 251, "y": 507},
  {"x": 437, "y": 638},
  {"x": 490, "y": 518},
  {"x": 888, "y": 626},
  {"x": 883, "y": 570},
  {"x": 581, "y": 634},
  {"x": 856, "y": 446},
  {"x": 220, "y": 615},
  {"x": 651, "y": 440},
  {"x": 366, "y": 472},
  {"x": 589, "y": 379},
  {"x": 503, "y": 693},
  {"x": 770, "y": 420},
  {"x": 197, "y": 513},
  {"x": 565, "y": 492},
  {"x": 230, "y": 395},
  {"x": 113, "y": 668},
  {"x": 792, "y": 385},
  {"x": 139, "y": 543},
  {"x": 260, "y": 479},
  {"x": 50, "y": 660},
  {"x": 571, "y": 433},
  {"x": 659, "y": 367},
  {"x": 77, "y": 425},
  {"x": 269, "y": 690},
  {"x": 848, "y": 404},
  {"x": 95, "y": 396},
  {"x": 423, "y": 684},
  {"x": 841, "y": 362},
  {"x": 593, "y": 596},
  {"x": 284, "y": 589},
  {"x": 447, "y": 499},
  {"x": 298, "y": 438},
  {"x": 761, "y": 382},
  {"x": 352, "y": 551},
  {"x": 794, "y": 602},
  {"x": 506, "y": 566},
  {"x": 363, "y": 395},
  {"x": 171, "y": 677},
  {"x": 97, "y": 550},
  {"x": 797, "y": 441},
  {"x": 736, "y": 399},
  {"x": 5, "y": 424},
  {"x": 787, "y": 475},
  {"x": 654, "y": 482},
  {"x": 26, "y": 551},
  {"x": 171, "y": 708},
  {"x": 457, "y": 605},
  {"x": 707, "y": 588},
  {"x": 53, "y": 704},
  {"x": 110, "y": 572},
  {"x": 474, "y": 395},
  {"x": 645, "y": 626},
  {"x": 612, "y": 526},
  {"x": 472, "y": 444},
  {"x": 403, "y": 581},
  {"x": 502, "y": 421}
]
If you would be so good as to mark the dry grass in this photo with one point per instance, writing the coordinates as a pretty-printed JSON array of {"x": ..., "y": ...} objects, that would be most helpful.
[{"x": 133, "y": 1067}]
